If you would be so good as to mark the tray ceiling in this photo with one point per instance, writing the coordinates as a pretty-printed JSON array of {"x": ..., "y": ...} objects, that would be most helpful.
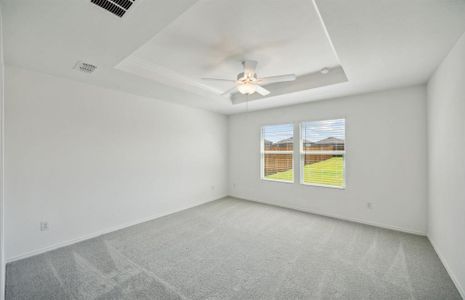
[{"x": 212, "y": 38}]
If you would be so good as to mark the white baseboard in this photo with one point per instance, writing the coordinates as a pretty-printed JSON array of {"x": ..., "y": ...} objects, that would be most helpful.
[
  {"x": 122, "y": 226},
  {"x": 96, "y": 234},
  {"x": 459, "y": 287},
  {"x": 139, "y": 221},
  {"x": 334, "y": 216}
]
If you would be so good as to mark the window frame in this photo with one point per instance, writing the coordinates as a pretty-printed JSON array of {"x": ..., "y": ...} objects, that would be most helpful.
[
  {"x": 302, "y": 153},
  {"x": 263, "y": 152}
]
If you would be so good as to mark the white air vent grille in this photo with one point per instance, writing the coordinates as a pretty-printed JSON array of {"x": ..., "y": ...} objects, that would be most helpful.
[
  {"x": 85, "y": 67},
  {"x": 116, "y": 7}
]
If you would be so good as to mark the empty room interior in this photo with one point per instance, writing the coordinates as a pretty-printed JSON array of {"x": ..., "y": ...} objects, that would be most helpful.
[{"x": 218, "y": 149}]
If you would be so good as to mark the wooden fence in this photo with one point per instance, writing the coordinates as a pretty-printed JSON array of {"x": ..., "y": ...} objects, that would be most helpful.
[{"x": 275, "y": 163}]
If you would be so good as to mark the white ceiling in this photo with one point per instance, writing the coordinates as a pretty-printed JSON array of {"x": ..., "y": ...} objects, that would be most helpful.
[{"x": 380, "y": 44}]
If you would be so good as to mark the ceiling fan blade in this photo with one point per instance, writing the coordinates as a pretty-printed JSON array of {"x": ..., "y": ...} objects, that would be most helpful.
[
  {"x": 249, "y": 66},
  {"x": 229, "y": 91},
  {"x": 262, "y": 91},
  {"x": 277, "y": 78},
  {"x": 219, "y": 79}
]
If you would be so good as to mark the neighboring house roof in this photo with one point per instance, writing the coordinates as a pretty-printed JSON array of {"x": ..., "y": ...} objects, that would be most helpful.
[
  {"x": 284, "y": 142},
  {"x": 267, "y": 142},
  {"x": 326, "y": 141},
  {"x": 330, "y": 141},
  {"x": 289, "y": 141}
]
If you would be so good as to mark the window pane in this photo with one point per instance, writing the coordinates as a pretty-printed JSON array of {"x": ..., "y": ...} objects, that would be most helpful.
[
  {"x": 277, "y": 152},
  {"x": 278, "y": 137},
  {"x": 323, "y": 133},
  {"x": 278, "y": 167},
  {"x": 323, "y": 143},
  {"x": 324, "y": 169},
  {"x": 309, "y": 146}
]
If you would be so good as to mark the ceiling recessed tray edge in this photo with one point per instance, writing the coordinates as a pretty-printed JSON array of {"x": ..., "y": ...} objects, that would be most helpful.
[{"x": 155, "y": 67}]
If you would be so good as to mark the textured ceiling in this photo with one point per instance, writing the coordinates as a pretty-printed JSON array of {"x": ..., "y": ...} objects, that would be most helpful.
[{"x": 380, "y": 44}]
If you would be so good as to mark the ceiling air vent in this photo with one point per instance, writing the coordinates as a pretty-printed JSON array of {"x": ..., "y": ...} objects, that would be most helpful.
[
  {"x": 85, "y": 67},
  {"x": 116, "y": 7}
]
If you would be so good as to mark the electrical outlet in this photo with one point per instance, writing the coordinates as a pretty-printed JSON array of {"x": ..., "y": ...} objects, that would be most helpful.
[
  {"x": 212, "y": 187},
  {"x": 369, "y": 205},
  {"x": 43, "y": 226}
]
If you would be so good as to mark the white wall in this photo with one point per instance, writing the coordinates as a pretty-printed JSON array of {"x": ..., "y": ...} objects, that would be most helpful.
[
  {"x": 446, "y": 145},
  {"x": 386, "y": 159},
  {"x": 2, "y": 252},
  {"x": 87, "y": 159}
]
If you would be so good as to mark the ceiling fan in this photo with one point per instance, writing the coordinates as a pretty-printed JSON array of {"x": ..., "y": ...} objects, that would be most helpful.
[{"x": 247, "y": 82}]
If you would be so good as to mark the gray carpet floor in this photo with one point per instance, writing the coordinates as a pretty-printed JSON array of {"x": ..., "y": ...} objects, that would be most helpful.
[{"x": 234, "y": 249}]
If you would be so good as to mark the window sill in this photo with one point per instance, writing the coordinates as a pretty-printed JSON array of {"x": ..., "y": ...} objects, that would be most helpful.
[
  {"x": 324, "y": 186},
  {"x": 277, "y": 180}
]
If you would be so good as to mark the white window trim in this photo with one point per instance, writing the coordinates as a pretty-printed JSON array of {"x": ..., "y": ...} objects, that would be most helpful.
[{"x": 302, "y": 160}]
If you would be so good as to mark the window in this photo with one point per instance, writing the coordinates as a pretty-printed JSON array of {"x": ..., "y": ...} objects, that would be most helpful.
[
  {"x": 322, "y": 153},
  {"x": 277, "y": 152}
]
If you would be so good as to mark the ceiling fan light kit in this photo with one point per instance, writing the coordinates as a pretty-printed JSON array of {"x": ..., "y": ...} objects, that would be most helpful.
[
  {"x": 246, "y": 88},
  {"x": 248, "y": 83}
]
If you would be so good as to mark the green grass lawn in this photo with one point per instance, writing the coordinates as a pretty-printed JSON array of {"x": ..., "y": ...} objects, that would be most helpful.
[{"x": 327, "y": 172}]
